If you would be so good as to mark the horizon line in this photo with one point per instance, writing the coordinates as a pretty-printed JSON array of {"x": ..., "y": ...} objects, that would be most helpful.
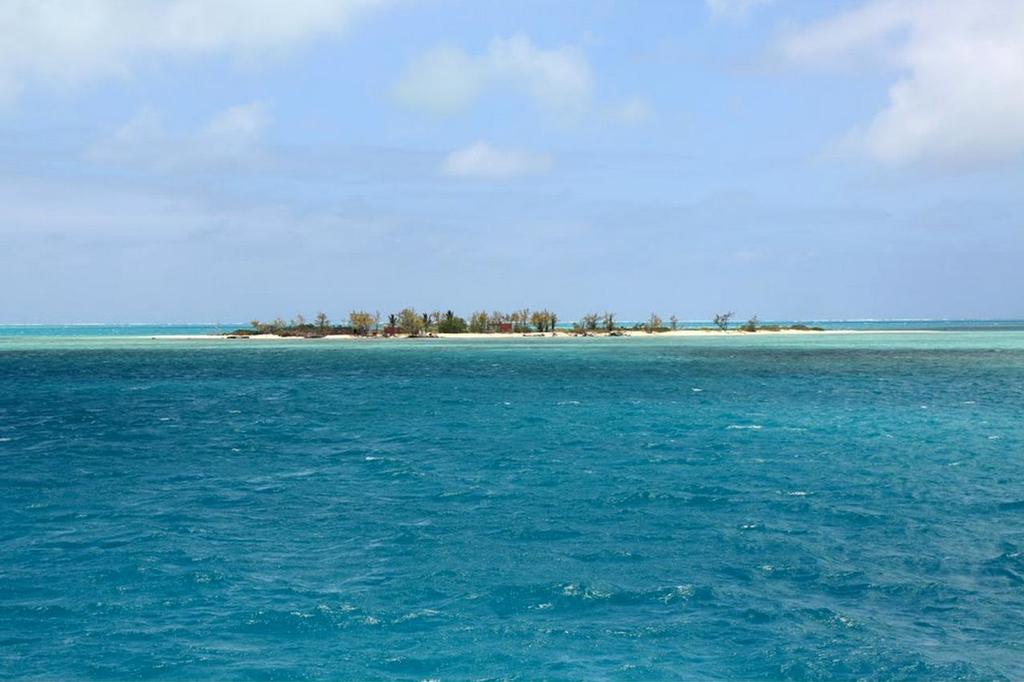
[{"x": 625, "y": 320}]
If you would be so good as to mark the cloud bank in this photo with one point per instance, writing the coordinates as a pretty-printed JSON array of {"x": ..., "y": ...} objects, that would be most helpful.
[
  {"x": 959, "y": 96},
  {"x": 62, "y": 43}
]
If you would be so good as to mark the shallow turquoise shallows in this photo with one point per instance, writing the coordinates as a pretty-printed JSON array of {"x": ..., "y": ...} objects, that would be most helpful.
[{"x": 766, "y": 507}]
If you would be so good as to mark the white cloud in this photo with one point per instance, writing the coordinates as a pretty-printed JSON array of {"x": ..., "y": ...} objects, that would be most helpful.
[
  {"x": 242, "y": 121},
  {"x": 233, "y": 133},
  {"x": 481, "y": 160},
  {"x": 231, "y": 137},
  {"x": 733, "y": 9},
  {"x": 633, "y": 111},
  {"x": 959, "y": 98},
  {"x": 447, "y": 79},
  {"x": 71, "y": 42}
]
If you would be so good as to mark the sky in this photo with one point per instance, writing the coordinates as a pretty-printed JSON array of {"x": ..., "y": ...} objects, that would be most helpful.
[{"x": 224, "y": 160}]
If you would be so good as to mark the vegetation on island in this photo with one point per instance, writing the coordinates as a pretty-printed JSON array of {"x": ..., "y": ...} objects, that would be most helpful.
[
  {"x": 414, "y": 324},
  {"x": 721, "y": 320}
]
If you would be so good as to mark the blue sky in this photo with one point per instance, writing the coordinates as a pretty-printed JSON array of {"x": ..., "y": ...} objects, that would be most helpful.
[{"x": 220, "y": 161}]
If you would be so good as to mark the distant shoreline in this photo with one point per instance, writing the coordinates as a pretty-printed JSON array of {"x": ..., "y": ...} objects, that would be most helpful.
[{"x": 497, "y": 336}]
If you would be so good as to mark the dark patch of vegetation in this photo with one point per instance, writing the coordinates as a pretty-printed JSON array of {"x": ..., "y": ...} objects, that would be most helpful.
[
  {"x": 452, "y": 324},
  {"x": 297, "y": 329}
]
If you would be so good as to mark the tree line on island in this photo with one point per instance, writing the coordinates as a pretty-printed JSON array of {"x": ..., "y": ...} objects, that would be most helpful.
[{"x": 409, "y": 322}]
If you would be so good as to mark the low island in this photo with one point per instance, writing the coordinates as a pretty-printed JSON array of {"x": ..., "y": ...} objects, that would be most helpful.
[{"x": 409, "y": 323}]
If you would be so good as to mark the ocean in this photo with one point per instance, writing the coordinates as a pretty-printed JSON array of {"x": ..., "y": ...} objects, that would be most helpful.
[
  {"x": 766, "y": 507},
  {"x": 81, "y": 331}
]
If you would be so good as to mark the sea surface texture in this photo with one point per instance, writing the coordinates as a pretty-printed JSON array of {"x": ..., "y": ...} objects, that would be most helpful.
[{"x": 770, "y": 507}]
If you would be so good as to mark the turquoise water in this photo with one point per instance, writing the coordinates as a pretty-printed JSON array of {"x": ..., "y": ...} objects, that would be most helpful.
[
  {"x": 762, "y": 507},
  {"x": 77, "y": 331}
]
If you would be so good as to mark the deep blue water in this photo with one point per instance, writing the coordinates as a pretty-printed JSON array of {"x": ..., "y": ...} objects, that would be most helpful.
[{"x": 840, "y": 507}]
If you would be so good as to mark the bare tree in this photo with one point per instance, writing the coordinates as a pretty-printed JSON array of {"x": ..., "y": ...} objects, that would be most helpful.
[
  {"x": 721, "y": 320},
  {"x": 521, "y": 320},
  {"x": 653, "y": 323},
  {"x": 479, "y": 322},
  {"x": 608, "y": 321},
  {"x": 674, "y": 322},
  {"x": 322, "y": 321}
]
